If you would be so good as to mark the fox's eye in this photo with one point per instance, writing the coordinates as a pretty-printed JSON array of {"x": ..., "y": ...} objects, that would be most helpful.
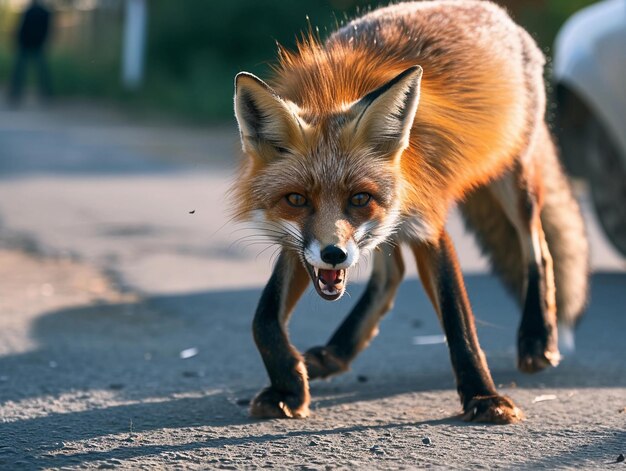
[
  {"x": 360, "y": 199},
  {"x": 296, "y": 200}
]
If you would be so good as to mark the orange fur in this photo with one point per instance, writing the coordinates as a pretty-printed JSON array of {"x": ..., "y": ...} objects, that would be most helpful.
[
  {"x": 365, "y": 141},
  {"x": 473, "y": 117}
]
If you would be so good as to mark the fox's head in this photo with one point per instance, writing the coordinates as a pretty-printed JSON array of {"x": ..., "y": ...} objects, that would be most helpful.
[{"x": 325, "y": 186}]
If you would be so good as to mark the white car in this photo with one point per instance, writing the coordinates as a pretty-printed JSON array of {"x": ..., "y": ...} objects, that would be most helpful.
[{"x": 589, "y": 76}]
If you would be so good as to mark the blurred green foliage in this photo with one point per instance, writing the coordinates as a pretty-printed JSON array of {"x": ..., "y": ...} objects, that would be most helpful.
[
  {"x": 543, "y": 18},
  {"x": 195, "y": 47},
  {"x": 194, "y": 52}
]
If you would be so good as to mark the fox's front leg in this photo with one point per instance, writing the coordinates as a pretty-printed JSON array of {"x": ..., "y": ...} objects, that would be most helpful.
[
  {"x": 288, "y": 394},
  {"x": 442, "y": 279},
  {"x": 361, "y": 325}
]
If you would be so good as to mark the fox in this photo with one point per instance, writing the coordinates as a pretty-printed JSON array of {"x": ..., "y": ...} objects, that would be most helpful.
[{"x": 362, "y": 143}]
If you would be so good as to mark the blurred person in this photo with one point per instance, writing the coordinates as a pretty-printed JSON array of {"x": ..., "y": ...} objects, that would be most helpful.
[{"x": 31, "y": 38}]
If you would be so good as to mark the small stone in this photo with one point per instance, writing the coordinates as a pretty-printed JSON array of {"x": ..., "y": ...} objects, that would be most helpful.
[
  {"x": 244, "y": 402},
  {"x": 188, "y": 353},
  {"x": 427, "y": 441},
  {"x": 377, "y": 450},
  {"x": 620, "y": 458},
  {"x": 544, "y": 397},
  {"x": 312, "y": 443}
]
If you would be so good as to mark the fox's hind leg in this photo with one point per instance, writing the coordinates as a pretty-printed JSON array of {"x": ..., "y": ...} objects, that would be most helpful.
[
  {"x": 441, "y": 276},
  {"x": 519, "y": 194},
  {"x": 356, "y": 331},
  {"x": 288, "y": 394}
]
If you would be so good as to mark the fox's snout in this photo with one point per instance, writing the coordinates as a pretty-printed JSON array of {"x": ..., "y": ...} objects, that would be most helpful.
[
  {"x": 333, "y": 255},
  {"x": 328, "y": 265}
]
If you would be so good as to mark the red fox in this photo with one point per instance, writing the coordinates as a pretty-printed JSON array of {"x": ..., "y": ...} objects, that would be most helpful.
[{"x": 362, "y": 143}]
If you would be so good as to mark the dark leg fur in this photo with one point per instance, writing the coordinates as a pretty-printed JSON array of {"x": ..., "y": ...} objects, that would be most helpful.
[
  {"x": 288, "y": 394},
  {"x": 356, "y": 331},
  {"x": 518, "y": 194},
  {"x": 537, "y": 335},
  {"x": 442, "y": 279}
]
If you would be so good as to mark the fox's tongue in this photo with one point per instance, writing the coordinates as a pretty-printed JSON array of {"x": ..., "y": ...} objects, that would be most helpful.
[
  {"x": 330, "y": 284},
  {"x": 330, "y": 277}
]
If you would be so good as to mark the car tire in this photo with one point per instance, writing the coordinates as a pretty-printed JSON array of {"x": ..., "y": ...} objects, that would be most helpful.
[{"x": 607, "y": 177}]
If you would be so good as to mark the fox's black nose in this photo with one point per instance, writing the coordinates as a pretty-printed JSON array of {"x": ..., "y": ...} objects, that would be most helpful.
[{"x": 333, "y": 254}]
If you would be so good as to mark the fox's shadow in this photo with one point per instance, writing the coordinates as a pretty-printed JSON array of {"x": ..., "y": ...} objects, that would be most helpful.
[{"x": 131, "y": 353}]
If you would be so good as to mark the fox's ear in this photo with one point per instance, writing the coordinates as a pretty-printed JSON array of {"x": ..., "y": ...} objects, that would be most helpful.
[
  {"x": 383, "y": 118},
  {"x": 268, "y": 125}
]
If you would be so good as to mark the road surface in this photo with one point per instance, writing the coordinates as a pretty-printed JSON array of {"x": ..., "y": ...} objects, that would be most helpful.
[{"x": 126, "y": 299}]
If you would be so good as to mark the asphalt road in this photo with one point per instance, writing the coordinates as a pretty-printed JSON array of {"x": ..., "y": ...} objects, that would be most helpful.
[{"x": 107, "y": 280}]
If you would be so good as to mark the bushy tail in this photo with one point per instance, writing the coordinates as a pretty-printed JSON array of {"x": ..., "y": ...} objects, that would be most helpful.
[{"x": 565, "y": 234}]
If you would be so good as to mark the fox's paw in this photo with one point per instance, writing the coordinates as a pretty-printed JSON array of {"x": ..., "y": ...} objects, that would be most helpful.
[
  {"x": 273, "y": 404},
  {"x": 322, "y": 362},
  {"x": 492, "y": 409},
  {"x": 535, "y": 354}
]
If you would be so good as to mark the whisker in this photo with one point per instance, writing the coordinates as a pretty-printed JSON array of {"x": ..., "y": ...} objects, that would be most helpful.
[
  {"x": 275, "y": 255},
  {"x": 249, "y": 241},
  {"x": 263, "y": 251},
  {"x": 283, "y": 234}
]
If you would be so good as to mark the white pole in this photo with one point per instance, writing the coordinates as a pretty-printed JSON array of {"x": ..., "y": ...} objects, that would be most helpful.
[{"x": 133, "y": 53}]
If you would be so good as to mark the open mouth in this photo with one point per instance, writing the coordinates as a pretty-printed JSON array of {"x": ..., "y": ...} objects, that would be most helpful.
[{"x": 329, "y": 284}]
